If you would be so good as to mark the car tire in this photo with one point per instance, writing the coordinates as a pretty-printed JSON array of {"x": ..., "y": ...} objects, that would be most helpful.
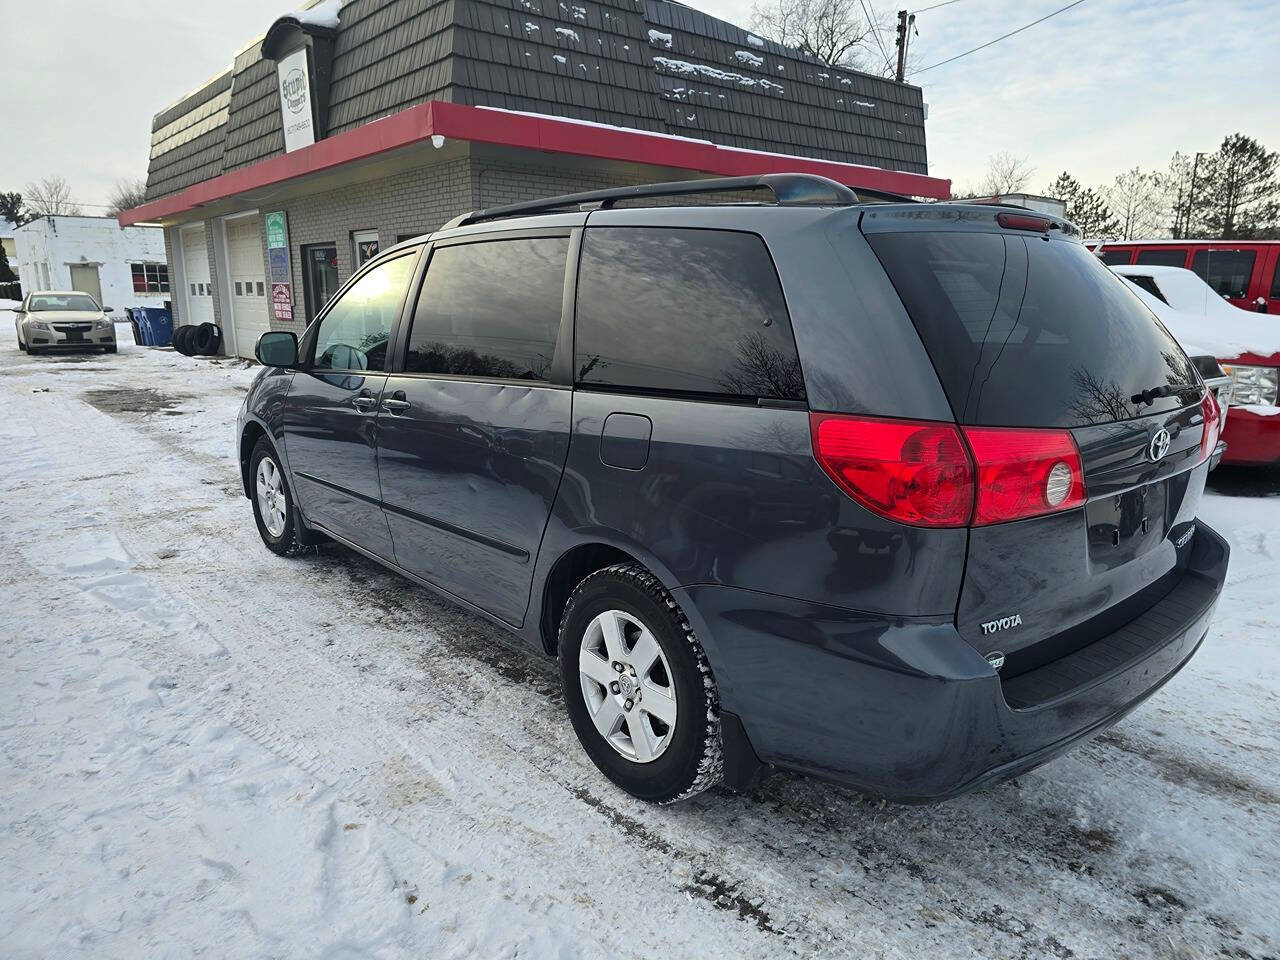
[
  {"x": 182, "y": 340},
  {"x": 686, "y": 757},
  {"x": 112, "y": 348},
  {"x": 279, "y": 529},
  {"x": 206, "y": 339},
  {"x": 22, "y": 346}
]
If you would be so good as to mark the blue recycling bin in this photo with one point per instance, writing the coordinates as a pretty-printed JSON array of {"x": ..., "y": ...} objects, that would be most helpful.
[
  {"x": 136, "y": 318},
  {"x": 158, "y": 326}
]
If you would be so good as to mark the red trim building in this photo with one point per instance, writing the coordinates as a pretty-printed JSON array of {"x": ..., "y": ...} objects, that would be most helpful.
[{"x": 274, "y": 183}]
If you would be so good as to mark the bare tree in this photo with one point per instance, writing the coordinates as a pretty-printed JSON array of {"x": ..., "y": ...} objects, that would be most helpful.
[
  {"x": 833, "y": 31},
  {"x": 50, "y": 197},
  {"x": 1006, "y": 173},
  {"x": 1138, "y": 202},
  {"x": 126, "y": 194}
]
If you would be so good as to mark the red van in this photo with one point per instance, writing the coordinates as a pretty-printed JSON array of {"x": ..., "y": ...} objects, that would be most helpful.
[{"x": 1243, "y": 271}]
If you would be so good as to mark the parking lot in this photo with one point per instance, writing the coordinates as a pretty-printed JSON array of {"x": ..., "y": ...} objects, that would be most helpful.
[{"x": 206, "y": 747}]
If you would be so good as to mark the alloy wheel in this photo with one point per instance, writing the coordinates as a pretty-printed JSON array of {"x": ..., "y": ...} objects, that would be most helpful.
[
  {"x": 272, "y": 503},
  {"x": 627, "y": 685}
]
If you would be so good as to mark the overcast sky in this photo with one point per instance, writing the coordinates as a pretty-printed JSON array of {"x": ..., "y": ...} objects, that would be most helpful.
[{"x": 1095, "y": 90}]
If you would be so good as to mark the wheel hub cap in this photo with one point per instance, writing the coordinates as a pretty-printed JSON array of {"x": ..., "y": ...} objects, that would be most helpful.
[
  {"x": 272, "y": 504},
  {"x": 627, "y": 686}
]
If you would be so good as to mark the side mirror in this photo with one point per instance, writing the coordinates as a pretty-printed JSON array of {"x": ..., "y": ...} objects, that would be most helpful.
[
  {"x": 277, "y": 348},
  {"x": 107, "y": 309}
]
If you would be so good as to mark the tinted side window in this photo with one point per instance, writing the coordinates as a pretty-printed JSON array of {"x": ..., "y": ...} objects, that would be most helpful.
[
  {"x": 1176, "y": 257},
  {"x": 353, "y": 334},
  {"x": 683, "y": 311},
  {"x": 1115, "y": 257},
  {"x": 1275, "y": 282},
  {"x": 1227, "y": 271},
  {"x": 490, "y": 309}
]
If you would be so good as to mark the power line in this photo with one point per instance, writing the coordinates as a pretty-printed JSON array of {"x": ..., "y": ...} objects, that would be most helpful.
[
  {"x": 936, "y": 6},
  {"x": 1004, "y": 37},
  {"x": 875, "y": 30}
]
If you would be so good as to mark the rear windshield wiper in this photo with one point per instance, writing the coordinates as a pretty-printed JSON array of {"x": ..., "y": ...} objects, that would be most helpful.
[{"x": 1150, "y": 396}]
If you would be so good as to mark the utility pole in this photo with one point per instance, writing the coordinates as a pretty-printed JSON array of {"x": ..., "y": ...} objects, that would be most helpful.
[
  {"x": 902, "y": 45},
  {"x": 1191, "y": 196}
]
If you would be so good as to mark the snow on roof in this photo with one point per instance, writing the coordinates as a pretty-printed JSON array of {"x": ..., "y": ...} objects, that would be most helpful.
[
  {"x": 1220, "y": 337},
  {"x": 322, "y": 14}
]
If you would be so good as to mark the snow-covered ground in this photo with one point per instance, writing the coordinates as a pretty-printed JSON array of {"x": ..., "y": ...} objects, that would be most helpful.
[{"x": 207, "y": 750}]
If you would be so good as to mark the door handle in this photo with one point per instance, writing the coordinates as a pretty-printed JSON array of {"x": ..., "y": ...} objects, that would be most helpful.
[
  {"x": 396, "y": 404},
  {"x": 364, "y": 402}
]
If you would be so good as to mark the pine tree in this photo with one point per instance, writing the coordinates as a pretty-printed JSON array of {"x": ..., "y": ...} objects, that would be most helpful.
[
  {"x": 1085, "y": 208},
  {"x": 6, "y": 272},
  {"x": 1240, "y": 197}
]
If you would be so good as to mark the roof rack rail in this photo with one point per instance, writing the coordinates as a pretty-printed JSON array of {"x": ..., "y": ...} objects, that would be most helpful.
[{"x": 789, "y": 189}]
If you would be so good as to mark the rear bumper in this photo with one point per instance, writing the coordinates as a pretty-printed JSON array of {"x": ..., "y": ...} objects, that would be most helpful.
[
  {"x": 907, "y": 709},
  {"x": 1251, "y": 438}
]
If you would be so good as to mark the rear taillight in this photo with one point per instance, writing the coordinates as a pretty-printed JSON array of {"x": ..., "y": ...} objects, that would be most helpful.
[
  {"x": 911, "y": 471},
  {"x": 1024, "y": 473},
  {"x": 929, "y": 474},
  {"x": 1212, "y": 425}
]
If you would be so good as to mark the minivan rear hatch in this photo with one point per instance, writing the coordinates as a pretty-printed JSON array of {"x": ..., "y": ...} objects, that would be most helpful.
[{"x": 1027, "y": 329}]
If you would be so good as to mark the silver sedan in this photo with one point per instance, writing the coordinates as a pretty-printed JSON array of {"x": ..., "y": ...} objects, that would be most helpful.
[{"x": 63, "y": 319}]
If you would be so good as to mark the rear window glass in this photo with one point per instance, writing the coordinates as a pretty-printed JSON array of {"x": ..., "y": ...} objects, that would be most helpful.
[
  {"x": 1176, "y": 257},
  {"x": 683, "y": 311},
  {"x": 1146, "y": 283},
  {"x": 1227, "y": 271},
  {"x": 1031, "y": 333}
]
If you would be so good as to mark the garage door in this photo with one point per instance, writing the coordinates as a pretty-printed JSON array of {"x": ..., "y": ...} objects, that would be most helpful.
[
  {"x": 198, "y": 296},
  {"x": 248, "y": 282}
]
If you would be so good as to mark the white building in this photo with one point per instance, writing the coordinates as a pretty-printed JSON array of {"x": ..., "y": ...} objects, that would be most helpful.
[{"x": 118, "y": 266}]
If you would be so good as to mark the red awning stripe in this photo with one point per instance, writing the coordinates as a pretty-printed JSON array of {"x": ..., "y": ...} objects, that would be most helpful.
[{"x": 528, "y": 131}]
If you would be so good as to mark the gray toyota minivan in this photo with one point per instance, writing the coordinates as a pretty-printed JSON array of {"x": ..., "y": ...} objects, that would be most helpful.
[{"x": 898, "y": 494}]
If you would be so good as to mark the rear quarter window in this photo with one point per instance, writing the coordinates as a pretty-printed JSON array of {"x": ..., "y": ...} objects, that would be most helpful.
[
  {"x": 1025, "y": 332},
  {"x": 683, "y": 311}
]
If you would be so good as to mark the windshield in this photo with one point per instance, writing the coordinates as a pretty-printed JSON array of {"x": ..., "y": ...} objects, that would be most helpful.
[
  {"x": 63, "y": 301},
  {"x": 1027, "y": 332}
]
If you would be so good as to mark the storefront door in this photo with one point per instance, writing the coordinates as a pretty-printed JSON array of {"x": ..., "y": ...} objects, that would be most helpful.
[{"x": 320, "y": 280}]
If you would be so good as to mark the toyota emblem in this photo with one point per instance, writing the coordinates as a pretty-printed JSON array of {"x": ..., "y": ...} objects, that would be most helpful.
[{"x": 1159, "y": 445}]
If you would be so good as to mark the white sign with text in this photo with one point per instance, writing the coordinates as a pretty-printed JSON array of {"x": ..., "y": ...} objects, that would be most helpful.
[{"x": 295, "y": 100}]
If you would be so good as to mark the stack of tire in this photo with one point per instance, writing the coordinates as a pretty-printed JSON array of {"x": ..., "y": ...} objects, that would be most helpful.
[{"x": 198, "y": 340}]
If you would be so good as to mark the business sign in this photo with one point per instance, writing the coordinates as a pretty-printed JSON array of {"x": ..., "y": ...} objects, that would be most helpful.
[
  {"x": 277, "y": 227},
  {"x": 278, "y": 260},
  {"x": 277, "y": 230},
  {"x": 282, "y": 301},
  {"x": 294, "y": 79}
]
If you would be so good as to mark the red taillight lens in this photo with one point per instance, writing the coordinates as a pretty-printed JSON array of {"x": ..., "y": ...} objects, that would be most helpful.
[
  {"x": 939, "y": 475},
  {"x": 1024, "y": 473},
  {"x": 1212, "y": 425},
  {"x": 914, "y": 472},
  {"x": 1022, "y": 221}
]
